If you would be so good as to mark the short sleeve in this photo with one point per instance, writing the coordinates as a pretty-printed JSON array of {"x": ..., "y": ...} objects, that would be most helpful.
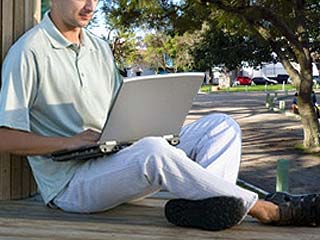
[{"x": 18, "y": 90}]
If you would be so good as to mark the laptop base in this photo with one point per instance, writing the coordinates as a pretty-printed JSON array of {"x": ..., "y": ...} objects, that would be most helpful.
[{"x": 99, "y": 150}]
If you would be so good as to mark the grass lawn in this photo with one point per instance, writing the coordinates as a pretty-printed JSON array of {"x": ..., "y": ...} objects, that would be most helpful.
[{"x": 277, "y": 87}]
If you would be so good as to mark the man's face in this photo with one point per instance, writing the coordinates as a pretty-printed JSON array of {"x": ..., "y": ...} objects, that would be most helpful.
[{"x": 74, "y": 13}]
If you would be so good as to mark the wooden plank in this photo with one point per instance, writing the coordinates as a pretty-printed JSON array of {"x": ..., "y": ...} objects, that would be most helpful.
[
  {"x": 26, "y": 179},
  {"x": 32, "y": 9},
  {"x": 5, "y": 179},
  {"x": 19, "y": 19},
  {"x": 32, "y": 17},
  {"x": 7, "y": 25},
  {"x": 32, "y": 220},
  {"x": 1, "y": 57},
  {"x": 28, "y": 13},
  {"x": 6, "y": 38},
  {"x": 1, "y": 35},
  {"x": 28, "y": 185},
  {"x": 33, "y": 185},
  {"x": 16, "y": 177}
]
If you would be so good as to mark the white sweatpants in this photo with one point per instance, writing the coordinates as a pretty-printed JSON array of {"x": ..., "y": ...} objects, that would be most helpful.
[{"x": 205, "y": 164}]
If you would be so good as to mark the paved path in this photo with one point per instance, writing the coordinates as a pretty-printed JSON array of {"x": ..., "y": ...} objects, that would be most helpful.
[{"x": 267, "y": 137}]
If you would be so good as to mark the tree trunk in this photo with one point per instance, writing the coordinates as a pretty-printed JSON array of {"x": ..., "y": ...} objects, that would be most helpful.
[
  {"x": 307, "y": 110},
  {"x": 310, "y": 123},
  {"x": 303, "y": 83}
]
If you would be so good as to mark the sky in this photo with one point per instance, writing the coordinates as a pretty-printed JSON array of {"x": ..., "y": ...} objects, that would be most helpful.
[{"x": 99, "y": 30}]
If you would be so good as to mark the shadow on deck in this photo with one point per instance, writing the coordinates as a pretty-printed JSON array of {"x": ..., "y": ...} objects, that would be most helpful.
[{"x": 25, "y": 219}]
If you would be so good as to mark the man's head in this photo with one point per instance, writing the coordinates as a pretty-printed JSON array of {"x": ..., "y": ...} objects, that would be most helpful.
[{"x": 72, "y": 14}]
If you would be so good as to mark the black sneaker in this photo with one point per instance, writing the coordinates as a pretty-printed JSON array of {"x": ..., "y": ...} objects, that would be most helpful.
[
  {"x": 278, "y": 197},
  {"x": 215, "y": 213},
  {"x": 296, "y": 210}
]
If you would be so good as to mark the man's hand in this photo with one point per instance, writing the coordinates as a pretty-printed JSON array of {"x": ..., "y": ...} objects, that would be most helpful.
[{"x": 86, "y": 138}]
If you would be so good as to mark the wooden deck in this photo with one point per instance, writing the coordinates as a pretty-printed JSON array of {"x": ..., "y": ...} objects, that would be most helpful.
[{"x": 26, "y": 219}]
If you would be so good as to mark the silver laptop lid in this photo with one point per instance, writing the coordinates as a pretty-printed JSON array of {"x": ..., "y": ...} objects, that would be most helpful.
[{"x": 151, "y": 106}]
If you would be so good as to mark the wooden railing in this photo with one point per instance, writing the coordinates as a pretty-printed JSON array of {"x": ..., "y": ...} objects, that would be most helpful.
[{"x": 16, "y": 17}]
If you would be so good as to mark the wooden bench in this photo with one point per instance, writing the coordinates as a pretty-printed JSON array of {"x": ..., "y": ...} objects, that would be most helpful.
[{"x": 25, "y": 219}]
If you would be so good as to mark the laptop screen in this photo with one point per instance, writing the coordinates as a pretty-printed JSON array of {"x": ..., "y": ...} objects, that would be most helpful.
[{"x": 153, "y": 105}]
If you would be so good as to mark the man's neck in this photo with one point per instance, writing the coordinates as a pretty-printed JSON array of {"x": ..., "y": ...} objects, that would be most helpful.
[
  {"x": 72, "y": 36},
  {"x": 70, "y": 33}
]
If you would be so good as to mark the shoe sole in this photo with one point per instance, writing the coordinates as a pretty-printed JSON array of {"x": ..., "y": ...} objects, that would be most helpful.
[{"x": 215, "y": 213}]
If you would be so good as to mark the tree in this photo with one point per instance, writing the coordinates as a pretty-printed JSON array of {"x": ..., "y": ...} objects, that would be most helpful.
[
  {"x": 155, "y": 49},
  {"x": 225, "y": 47},
  {"x": 287, "y": 26},
  {"x": 183, "y": 45},
  {"x": 124, "y": 48},
  {"x": 290, "y": 28},
  {"x": 177, "y": 48}
]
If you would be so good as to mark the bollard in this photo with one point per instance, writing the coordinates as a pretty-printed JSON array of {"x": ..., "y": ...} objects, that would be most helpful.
[
  {"x": 282, "y": 106},
  {"x": 286, "y": 93},
  {"x": 267, "y": 100},
  {"x": 282, "y": 175},
  {"x": 271, "y": 102}
]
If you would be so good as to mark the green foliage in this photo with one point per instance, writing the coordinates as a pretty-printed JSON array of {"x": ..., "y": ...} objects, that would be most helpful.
[
  {"x": 124, "y": 48},
  {"x": 135, "y": 13},
  {"x": 176, "y": 47},
  {"x": 182, "y": 51},
  {"x": 45, "y": 5},
  {"x": 221, "y": 47},
  {"x": 236, "y": 31},
  {"x": 156, "y": 46},
  {"x": 183, "y": 22}
]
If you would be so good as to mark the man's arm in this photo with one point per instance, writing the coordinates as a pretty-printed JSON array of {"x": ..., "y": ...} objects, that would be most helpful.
[{"x": 25, "y": 143}]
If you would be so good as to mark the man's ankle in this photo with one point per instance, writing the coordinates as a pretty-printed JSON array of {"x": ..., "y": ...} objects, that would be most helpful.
[{"x": 265, "y": 212}]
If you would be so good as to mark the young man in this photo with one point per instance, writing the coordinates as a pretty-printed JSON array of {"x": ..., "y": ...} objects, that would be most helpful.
[{"x": 58, "y": 81}]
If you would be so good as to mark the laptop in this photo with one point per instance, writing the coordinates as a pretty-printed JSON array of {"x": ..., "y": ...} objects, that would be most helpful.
[{"x": 154, "y": 105}]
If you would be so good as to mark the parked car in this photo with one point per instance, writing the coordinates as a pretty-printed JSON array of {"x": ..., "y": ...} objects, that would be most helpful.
[
  {"x": 263, "y": 81},
  {"x": 242, "y": 80},
  {"x": 282, "y": 78}
]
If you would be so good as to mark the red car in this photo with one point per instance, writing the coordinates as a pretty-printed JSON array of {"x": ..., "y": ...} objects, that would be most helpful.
[{"x": 242, "y": 80}]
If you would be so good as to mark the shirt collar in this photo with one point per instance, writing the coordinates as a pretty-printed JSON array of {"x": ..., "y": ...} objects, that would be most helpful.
[{"x": 56, "y": 38}]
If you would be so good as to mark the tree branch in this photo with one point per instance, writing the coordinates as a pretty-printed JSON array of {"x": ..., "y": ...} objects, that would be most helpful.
[{"x": 254, "y": 13}]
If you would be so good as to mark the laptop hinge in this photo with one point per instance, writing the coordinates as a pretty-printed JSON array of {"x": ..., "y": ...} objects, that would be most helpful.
[
  {"x": 108, "y": 147},
  {"x": 172, "y": 139}
]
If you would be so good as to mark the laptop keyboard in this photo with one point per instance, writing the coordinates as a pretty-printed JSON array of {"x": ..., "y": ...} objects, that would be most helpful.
[{"x": 82, "y": 153}]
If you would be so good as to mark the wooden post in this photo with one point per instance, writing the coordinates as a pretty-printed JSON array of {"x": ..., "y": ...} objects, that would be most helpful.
[
  {"x": 282, "y": 106},
  {"x": 16, "y": 17},
  {"x": 282, "y": 175}
]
